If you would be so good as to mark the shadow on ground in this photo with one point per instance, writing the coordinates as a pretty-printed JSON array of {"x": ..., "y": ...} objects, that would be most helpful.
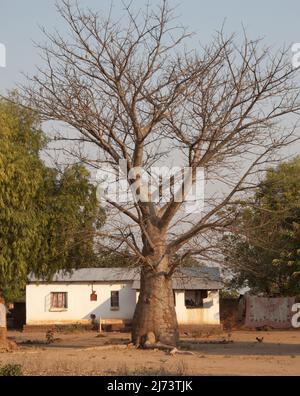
[{"x": 241, "y": 348}]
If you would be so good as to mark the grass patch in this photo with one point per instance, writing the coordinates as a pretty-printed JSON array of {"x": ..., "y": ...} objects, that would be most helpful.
[{"x": 11, "y": 370}]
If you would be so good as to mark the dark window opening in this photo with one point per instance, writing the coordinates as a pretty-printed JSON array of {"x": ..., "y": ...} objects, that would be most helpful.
[
  {"x": 59, "y": 300},
  {"x": 194, "y": 298},
  {"x": 114, "y": 299}
]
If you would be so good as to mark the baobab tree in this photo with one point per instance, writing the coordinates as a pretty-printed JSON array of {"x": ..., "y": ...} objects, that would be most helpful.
[{"x": 136, "y": 92}]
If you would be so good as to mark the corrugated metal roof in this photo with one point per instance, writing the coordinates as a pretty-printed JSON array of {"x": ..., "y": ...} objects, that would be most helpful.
[
  {"x": 194, "y": 278},
  {"x": 183, "y": 278},
  {"x": 92, "y": 275},
  {"x": 206, "y": 278},
  {"x": 211, "y": 273}
]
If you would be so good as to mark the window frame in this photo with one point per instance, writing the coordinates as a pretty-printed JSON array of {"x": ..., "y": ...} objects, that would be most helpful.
[
  {"x": 200, "y": 295},
  {"x": 114, "y": 294},
  {"x": 65, "y": 300}
]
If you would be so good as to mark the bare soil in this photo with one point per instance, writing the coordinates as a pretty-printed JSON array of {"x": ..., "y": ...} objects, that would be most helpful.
[{"x": 238, "y": 353}]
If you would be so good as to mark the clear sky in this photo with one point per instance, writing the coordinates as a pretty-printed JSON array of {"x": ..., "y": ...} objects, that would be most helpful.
[{"x": 276, "y": 20}]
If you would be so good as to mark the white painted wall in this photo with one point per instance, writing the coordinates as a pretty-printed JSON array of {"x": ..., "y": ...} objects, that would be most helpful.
[
  {"x": 79, "y": 305},
  {"x": 208, "y": 315}
]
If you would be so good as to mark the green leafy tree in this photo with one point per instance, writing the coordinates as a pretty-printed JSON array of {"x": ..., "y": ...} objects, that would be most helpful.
[
  {"x": 265, "y": 253},
  {"x": 70, "y": 217},
  {"x": 21, "y": 175},
  {"x": 111, "y": 259},
  {"x": 48, "y": 219}
]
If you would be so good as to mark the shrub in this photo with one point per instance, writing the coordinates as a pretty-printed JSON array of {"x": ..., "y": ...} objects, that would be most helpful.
[
  {"x": 11, "y": 370},
  {"x": 50, "y": 336}
]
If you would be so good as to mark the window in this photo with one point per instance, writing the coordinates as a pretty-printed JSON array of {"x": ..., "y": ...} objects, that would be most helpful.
[
  {"x": 59, "y": 300},
  {"x": 194, "y": 298},
  {"x": 114, "y": 300}
]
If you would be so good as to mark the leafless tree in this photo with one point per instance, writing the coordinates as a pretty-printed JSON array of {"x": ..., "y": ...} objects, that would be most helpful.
[{"x": 134, "y": 90}]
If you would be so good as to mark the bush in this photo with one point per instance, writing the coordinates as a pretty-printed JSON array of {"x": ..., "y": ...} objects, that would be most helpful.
[
  {"x": 11, "y": 370},
  {"x": 50, "y": 336}
]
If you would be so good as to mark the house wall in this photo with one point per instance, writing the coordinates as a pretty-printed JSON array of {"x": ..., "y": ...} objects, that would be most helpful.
[
  {"x": 208, "y": 315},
  {"x": 79, "y": 305}
]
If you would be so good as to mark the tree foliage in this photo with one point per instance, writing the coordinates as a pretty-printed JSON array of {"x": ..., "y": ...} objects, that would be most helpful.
[
  {"x": 267, "y": 256},
  {"x": 69, "y": 218},
  {"x": 48, "y": 218},
  {"x": 20, "y": 180}
]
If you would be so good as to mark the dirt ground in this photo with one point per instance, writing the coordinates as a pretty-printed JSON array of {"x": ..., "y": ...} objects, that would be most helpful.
[{"x": 88, "y": 354}]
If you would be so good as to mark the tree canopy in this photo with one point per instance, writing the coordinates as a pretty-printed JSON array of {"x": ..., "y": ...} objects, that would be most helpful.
[
  {"x": 265, "y": 255},
  {"x": 48, "y": 218},
  {"x": 20, "y": 179}
]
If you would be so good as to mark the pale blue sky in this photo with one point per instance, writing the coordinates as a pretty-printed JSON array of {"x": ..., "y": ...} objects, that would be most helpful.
[{"x": 277, "y": 21}]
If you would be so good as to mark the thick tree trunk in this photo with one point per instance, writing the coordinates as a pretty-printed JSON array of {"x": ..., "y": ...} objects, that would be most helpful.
[
  {"x": 155, "y": 310},
  {"x": 3, "y": 336},
  {"x": 3, "y": 331},
  {"x": 5, "y": 344}
]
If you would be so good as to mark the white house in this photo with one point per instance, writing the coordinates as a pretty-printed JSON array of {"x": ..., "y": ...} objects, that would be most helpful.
[{"x": 111, "y": 294}]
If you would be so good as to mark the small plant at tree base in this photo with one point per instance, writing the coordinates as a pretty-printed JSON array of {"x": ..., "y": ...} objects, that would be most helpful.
[
  {"x": 50, "y": 337},
  {"x": 11, "y": 370}
]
